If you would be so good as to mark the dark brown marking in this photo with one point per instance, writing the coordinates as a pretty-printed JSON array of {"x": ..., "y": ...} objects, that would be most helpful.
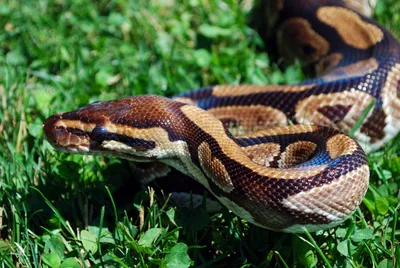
[
  {"x": 77, "y": 132},
  {"x": 335, "y": 113},
  {"x": 297, "y": 153},
  {"x": 374, "y": 126},
  {"x": 297, "y": 38},
  {"x": 327, "y": 63}
]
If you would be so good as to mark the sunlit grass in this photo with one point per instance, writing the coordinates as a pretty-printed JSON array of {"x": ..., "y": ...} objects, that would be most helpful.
[{"x": 62, "y": 210}]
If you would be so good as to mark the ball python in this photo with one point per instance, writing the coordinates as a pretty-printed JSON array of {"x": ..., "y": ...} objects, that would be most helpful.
[{"x": 235, "y": 139}]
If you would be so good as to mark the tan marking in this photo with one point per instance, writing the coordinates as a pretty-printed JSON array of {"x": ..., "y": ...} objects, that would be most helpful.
[
  {"x": 335, "y": 200},
  {"x": 307, "y": 109},
  {"x": 157, "y": 134},
  {"x": 185, "y": 100},
  {"x": 282, "y": 130},
  {"x": 251, "y": 118},
  {"x": 340, "y": 144},
  {"x": 360, "y": 68},
  {"x": 297, "y": 153},
  {"x": 214, "y": 169},
  {"x": 240, "y": 90},
  {"x": 263, "y": 153},
  {"x": 214, "y": 127},
  {"x": 66, "y": 123},
  {"x": 352, "y": 29},
  {"x": 373, "y": 126},
  {"x": 328, "y": 63},
  {"x": 297, "y": 39}
]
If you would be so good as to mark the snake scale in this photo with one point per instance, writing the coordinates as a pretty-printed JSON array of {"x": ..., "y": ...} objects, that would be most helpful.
[{"x": 277, "y": 176}]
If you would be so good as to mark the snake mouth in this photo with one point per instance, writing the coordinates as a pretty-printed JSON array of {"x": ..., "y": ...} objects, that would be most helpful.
[{"x": 67, "y": 139}]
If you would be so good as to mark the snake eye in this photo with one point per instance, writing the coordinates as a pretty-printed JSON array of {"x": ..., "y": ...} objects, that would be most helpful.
[{"x": 99, "y": 133}]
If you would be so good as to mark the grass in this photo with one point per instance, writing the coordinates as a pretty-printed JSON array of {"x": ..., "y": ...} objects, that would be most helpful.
[{"x": 62, "y": 210}]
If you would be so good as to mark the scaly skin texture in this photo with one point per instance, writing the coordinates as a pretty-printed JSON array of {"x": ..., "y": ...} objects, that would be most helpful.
[
  {"x": 275, "y": 176},
  {"x": 357, "y": 62},
  {"x": 312, "y": 176}
]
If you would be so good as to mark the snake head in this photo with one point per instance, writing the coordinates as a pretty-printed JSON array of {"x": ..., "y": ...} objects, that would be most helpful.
[{"x": 132, "y": 128}]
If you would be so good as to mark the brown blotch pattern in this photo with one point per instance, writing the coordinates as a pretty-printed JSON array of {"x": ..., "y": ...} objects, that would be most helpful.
[
  {"x": 262, "y": 154},
  {"x": 335, "y": 113},
  {"x": 297, "y": 153},
  {"x": 297, "y": 39},
  {"x": 308, "y": 109},
  {"x": 352, "y": 29},
  {"x": 243, "y": 90},
  {"x": 327, "y": 63},
  {"x": 249, "y": 118},
  {"x": 212, "y": 126},
  {"x": 214, "y": 169},
  {"x": 373, "y": 126},
  {"x": 283, "y": 130}
]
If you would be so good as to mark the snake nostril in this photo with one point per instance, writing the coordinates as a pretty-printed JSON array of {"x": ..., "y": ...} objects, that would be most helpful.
[{"x": 99, "y": 133}]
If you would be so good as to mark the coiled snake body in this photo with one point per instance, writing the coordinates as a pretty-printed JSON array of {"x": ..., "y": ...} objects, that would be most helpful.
[{"x": 276, "y": 176}]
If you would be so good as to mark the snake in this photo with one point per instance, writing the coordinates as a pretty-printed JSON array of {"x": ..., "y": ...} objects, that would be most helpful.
[{"x": 278, "y": 156}]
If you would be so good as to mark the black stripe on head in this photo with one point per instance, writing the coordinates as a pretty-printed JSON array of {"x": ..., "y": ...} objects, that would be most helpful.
[
  {"x": 137, "y": 144},
  {"x": 100, "y": 134},
  {"x": 76, "y": 131}
]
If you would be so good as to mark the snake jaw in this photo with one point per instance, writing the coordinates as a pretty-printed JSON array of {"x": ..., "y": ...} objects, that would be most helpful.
[
  {"x": 64, "y": 138},
  {"x": 106, "y": 129},
  {"x": 73, "y": 140}
]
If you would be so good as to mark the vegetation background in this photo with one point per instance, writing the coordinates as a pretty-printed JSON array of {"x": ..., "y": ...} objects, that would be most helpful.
[{"x": 63, "y": 210}]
